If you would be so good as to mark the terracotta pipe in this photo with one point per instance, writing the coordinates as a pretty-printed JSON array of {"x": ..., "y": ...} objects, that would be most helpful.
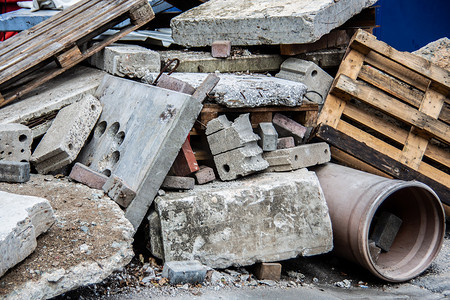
[{"x": 354, "y": 198}]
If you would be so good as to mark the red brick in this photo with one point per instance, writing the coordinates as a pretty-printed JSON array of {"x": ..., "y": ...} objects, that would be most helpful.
[
  {"x": 205, "y": 175},
  {"x": 178, "y": 183},
  {"x": 268, "y": 271},
  {"x": 85, "y": 175},
  {"x": 288, "y": 127},
  {"x": 174, "y": 84},
  {"x": 221, "y": 49},
  {"x": 185, "y": 163},
  {"x": 286, "y": 142}
]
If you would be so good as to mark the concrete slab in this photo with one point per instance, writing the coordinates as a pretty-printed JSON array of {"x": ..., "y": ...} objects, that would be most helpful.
[
  {"x": 250, "y": 90},
  {"x": 15, "y": 142},
  {"x": 438, "y": 52},
  {"x": 38, "y": 109},
  {"x": 262, "y": 22},
  {"x": 203, "y": 62},
  {"x": 22, "y": 220},
  {"x": 269, "y": 217},
  {"x": 67, "y": 135},
  {"x": 138, "y": 142}
]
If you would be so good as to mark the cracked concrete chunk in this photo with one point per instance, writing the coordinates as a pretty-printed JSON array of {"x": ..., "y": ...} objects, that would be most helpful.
[
  {"x": 270, "y": 217},
  {"x": 22, "y": 220},
  {"x": 262, "y": 22}
]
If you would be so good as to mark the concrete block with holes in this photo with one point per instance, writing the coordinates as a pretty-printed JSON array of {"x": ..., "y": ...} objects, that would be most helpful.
[
  {"x": 15, "y": 142},
  {"x": 302, "y": 156},
  {"x": 234, "y": 146},
  {"x": 67, "y": 135},
  {"x": 137, "y": 139},
  {"x": 317, "y": 80}
]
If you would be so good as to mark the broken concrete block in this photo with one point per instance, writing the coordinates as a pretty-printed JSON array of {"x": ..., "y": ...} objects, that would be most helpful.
[
  {"x": 15, "y": 142},
  {"x": 262, "y": 22},
  {"x": 174, "y": 84},
  {"x": 130, "y": 61},
  {"x": 268, "y": 271},
  {"x": 288, "y": 127},
  {"x": 250, "y": 90},
  {"x": 178, "y": 183},
  {"x": 203, "y": 62},
  {"x": 317, "y": 80},
  {"x": 38, "y": 109},
  {"x": 14, "y": 171},
  {"x": 119, "y": 190},
  {"x": 268, "y": 135},
  {"x": 221, "y": 49},
  {"x": 67, "y": 135},
  {"x": 234, "y": 147},
  {"x": 22, "y": 220},
  {"x": 138, "y": 142},
  {"x": 185, "y": 163},
  {"x": 85, "y": 175},
  {"x": 216, "y": 223},
  {"x": 204, "y": 175},
  {"x": 385, "y": 230},
  {"x": 285, "y": 142},
  {"x": 181, "y": 272},
  {"x": 302, "y": 156},
  {"x": 438, "y": 52}
]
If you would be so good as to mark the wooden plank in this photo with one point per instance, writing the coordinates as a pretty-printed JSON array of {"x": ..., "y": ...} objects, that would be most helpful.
[
  {"x": 305, "y": 106},
  {"x": 260, "y": 117},
  {"x": 365, "y": 42},
  {"x": 390, "y": 106},
  {"x": 438, "y": 154},
  {"x": 435, "y": 174},
  {"x": 379, "y": 160},
  {"x": 445, "y": 113},
  {"x": 67, "y": 58},
  {"x": 307, "y": 118}
]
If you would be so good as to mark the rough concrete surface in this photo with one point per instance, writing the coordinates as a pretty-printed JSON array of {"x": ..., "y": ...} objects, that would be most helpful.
[
  {"x": 14, "y": 171},
  {"x": 90, "y": 239},
  {"x": 202, "y": 62},
  {"x": 22, "y": 220},
  {"x": 438, "y": 52},
  {"x": 267, "y": 217},
  {"x": 15, "y": 142},
  {"x": 39, "y": 108},
  {"x": 262, "y": 22},
  {"x": 250, "y": 90}
]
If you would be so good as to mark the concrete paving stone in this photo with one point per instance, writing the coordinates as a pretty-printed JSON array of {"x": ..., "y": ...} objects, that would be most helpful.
[
  {"x": 15, "y": 142},
  {"x": 131, "y": 61},
  {"x": 203, "y": 62},
  {"x": 204, "y": 175},
  {"x": 22, "y": 220},
  {"x": 38, "y": 109},
  {"x": 136, "y": 146},
  {"x": 288, "y": 127},
  {"x": 181, "y": 272},
  {"x": 262, "y": 22},
  {"x": 14, "y": 171},
  {"x": 178, "y": 183},
  {"x": 174, "y": 84},
  {"x": 85, "y": 175},
  {"x": 285, "y": 142},
  {"x": 221, "y": 49},
  {"x": 236, "y": 91},
  {"x": 308, "y": 73},
  {"x": 302, "y": 156},
  {"x": 268, "y": 271},
  {"x": 385, "y": 230},
  {"x": 67, "y": 135},
  {"x": 216, "y": 223},
  {"x": 268, "y": 135}
]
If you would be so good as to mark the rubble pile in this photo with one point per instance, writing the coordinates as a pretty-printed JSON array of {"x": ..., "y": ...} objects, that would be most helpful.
[{"x": 216, "y": 157}]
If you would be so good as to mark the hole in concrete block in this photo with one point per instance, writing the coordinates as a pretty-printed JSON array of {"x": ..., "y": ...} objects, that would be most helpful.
[
  {"x": 115, "y": 156},
  {"x": 325, "y": 151},
  {"x": 22, "y": 150},
  {"x": 313, "y": 73},
  {"x": 100, "y": 129},
  {"x": 120, "y": 137},
  {"x": 296, "y": 157},
  {"x": 9, "y": 153},
  {"x": 107, "y": 172},
  {"x": 22, "y": 138},
  {"x": 226, "y": 168},
  {"x": 114, "y": 128},
  {"x": 93, "y": 107},
  {"x": 70, "y": 146}
]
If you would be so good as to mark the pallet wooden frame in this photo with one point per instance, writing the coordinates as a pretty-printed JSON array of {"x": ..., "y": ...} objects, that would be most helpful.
[
  {"x": 64, "y": 39},
  {"x": 397, "y": 86}
]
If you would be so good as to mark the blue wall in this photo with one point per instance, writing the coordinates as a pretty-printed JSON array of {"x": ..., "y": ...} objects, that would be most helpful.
[{"x": 408, "y": 25}]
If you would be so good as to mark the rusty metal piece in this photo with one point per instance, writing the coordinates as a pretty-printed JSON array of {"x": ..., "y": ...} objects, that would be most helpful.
[
  {"x": 169, "y": 62},
  {"x": 356, "y": 198}
]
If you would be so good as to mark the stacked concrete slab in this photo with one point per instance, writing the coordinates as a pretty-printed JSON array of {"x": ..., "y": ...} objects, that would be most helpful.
[
  {"x": 262, "y": 22},
  {"x": 22, "y": 220},
  {"x": 137, "y": 139},
  {"x": 270, "y": 217},
  {"x": 234, "y": 147},
  {"x": 67, "y": 135}
]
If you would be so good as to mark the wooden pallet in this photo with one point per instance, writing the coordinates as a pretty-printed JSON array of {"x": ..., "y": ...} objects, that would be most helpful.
[
  {"x": 390, "y": 110},
  {"x": 27, "y": 59}
]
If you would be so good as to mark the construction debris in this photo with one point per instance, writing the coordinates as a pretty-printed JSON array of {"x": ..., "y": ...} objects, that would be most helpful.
[
  {"x": 181, "y": 272},
  {"x": 15, "y": 142},
  {"x": 14, "y": 171}
]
